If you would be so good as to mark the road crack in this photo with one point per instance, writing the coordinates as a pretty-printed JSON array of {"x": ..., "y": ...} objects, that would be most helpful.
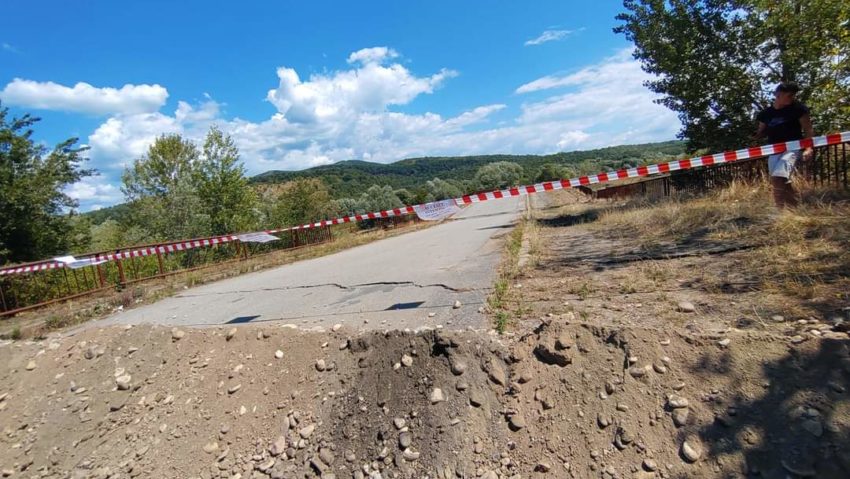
[{"x": 338, "y": 286}]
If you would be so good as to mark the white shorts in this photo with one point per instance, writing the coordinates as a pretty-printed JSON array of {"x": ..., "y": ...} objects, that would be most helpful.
[{"x": 782, "y": 164}]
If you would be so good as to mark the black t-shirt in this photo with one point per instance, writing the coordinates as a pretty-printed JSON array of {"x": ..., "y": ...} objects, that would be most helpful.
[{"x": 783, "y": 124}]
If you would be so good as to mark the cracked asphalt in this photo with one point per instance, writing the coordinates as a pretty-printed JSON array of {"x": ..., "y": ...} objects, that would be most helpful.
[{"x": 407, "y": 281}]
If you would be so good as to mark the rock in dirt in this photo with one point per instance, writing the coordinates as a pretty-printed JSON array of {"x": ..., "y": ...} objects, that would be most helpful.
[
  {"x": 399, "y": 423},
  {"x": 320, "y": 365},
  {"x": 410, "y": 455},
  {"x": 551, "y": 355},
  {"x": 230, "y": 334},
  {"x": 517, "y": 422},
  {"x": 802, "y": 470},
  {"x": 234, "y": 388},
  {"x": 211, "y": 447},
  {"x": 437, "y": 396},
  {"x": 680, "y": 416},
  {"x": 123, "y": 382},
  {"x": 406, "y": 360},
  {"x": 327, "y": 456},
  {"x": 457, "y": 305},
  {"x": 686, "y": 307},
  {"x": 177, "y": 334},
  {"x": 278, "y": 354},
  {"x": 476, "y": 397},
  {"x": 307, "y": 431},
  {"x": 458, "y": 367},
  {"x": 278, "y": 446},
  {"x": 675, "y": 402},
  {"x": 31, "y": 365},
  {"x": 405, "y": 439},
  {"x": 497, "y": 373},
  {"x": 336, "y": 327},
  {"x": 691, "y": 451},
  {"x": 649, "y": 465}
]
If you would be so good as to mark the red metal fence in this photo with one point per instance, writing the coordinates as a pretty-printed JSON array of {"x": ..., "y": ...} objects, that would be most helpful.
[
  {"x": 22, "y": 292},
  {"x": 829, "y": 166}
]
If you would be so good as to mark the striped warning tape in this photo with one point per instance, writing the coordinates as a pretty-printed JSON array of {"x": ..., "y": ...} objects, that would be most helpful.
[{"x": 636, "y": 172}]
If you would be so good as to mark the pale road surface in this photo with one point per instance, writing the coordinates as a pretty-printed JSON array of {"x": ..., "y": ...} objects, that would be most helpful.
[{"x": 393, "y": 283}]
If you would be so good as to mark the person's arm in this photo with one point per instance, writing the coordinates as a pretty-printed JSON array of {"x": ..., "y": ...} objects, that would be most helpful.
[
  {"x": 808, "y": 132},
  {"x": 760, "y": 133}
]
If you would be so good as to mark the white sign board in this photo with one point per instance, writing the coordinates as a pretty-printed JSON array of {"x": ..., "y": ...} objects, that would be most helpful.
[
  {"x": 261, "y": 237},
  {"x": 436, "y": 210},
  {"x": 75, "y": 263}
]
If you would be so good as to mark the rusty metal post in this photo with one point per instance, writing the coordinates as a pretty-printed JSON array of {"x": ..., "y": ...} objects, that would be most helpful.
[
  {"x": 100, "y": 278},
  {"x": 76, "y": 279},
  {"x": 3, "y": 297},
  {"x": 159, "y": 261},
  {"x": 121, "y": 279},
  {"x": 67, "y": 282}
]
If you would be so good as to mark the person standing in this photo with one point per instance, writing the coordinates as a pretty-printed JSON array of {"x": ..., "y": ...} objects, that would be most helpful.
[{"x": 785, "y": 120}]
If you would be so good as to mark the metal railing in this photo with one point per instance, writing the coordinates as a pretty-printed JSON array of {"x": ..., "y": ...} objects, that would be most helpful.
[
  {"x": 28, "y": 291},
  {"x": 829, "y": 166}
]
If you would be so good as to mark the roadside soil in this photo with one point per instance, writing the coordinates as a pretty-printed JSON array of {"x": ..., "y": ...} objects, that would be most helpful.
[{"x": 593, "y": 379}]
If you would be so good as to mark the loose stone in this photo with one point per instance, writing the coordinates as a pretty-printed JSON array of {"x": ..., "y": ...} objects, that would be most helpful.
[
  {"x": 686, "y": 307},
  {"x": 691, "y": 451}
]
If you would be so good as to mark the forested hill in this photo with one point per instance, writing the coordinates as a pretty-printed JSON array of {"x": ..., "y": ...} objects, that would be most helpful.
[{"x": 352, "y": 178}]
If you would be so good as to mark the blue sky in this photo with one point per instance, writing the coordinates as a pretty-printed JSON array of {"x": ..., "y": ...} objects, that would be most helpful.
[{"x": 300, "y": 84}]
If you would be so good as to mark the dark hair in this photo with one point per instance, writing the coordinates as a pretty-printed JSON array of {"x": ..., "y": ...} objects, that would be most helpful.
[{"x": 788, "y": 87}]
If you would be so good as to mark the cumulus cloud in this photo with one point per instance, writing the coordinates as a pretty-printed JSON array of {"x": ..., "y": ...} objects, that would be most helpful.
[
  {"x": 370, "y": 87},
  {"x": 549, "y": 36},
  {"x": 95, "y": 190},
  {"x": 372, "y": 55},
  {"x": 84, "y": 98},
  {"x": 354, "y": 114}
]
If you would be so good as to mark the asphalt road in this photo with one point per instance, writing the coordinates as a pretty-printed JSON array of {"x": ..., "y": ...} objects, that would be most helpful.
[{"x": 393, "y": 283}]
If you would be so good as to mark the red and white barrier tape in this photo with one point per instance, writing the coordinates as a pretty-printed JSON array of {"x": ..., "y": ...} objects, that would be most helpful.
[{"x": 640, "y": 171}]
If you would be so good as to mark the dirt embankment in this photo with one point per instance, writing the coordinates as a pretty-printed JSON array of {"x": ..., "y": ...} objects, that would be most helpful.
[{"x": 561, "y": 400}]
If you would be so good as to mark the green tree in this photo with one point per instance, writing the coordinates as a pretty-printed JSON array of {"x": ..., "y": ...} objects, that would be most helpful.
[
  {"x": 161, "y": 189},
  {"x": 222, "y": 187},
  {"x": 379, "y": 198},
  {"x": 552, "y": 172},
  {"x": 438, "y": 189},
  {"x": 34, "y": 222},
  {"x": 498, "y": 175},
  {"x": 301, "y": 201},
  {"x": 717, "y": 61},
  {"x": 170, "y": 160}
]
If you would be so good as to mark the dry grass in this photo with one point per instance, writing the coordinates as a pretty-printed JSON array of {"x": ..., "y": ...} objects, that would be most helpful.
[{"x": 802, "y": 253}]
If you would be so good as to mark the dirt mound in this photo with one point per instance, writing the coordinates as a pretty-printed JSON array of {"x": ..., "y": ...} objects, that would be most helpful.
[{"x": 562, "y": 400}]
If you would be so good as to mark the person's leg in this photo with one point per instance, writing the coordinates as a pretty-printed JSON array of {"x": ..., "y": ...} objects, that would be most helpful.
[
  {"x": 777, "y": 184},
  {"x": 780, "y": 167}
]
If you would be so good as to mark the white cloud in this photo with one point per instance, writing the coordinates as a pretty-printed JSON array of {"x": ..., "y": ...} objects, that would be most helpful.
[
  {"x": 372, "y": 55},
  {"x": 351, "y": 114},
  {"x": 84, "y": 98},
  {"x": 94, "y": 190},
  {"x": 8, "y": 47},
  {"x": 607, "y": 71},
  {"x": 370, "y": 87},
  {"x": 549, "y": 36}
]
